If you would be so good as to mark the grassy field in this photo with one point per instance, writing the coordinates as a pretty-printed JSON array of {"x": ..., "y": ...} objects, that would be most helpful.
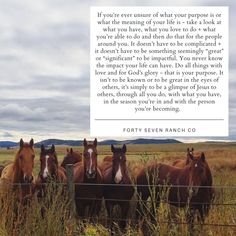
[{"x": 222, "y": 161}]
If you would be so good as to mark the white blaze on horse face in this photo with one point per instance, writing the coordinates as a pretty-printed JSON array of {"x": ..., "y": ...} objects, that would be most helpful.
[
  {"x": 45, "y": 171},
  {"x": 118, "y": 176},
  {"x": 90, "y": 151}
]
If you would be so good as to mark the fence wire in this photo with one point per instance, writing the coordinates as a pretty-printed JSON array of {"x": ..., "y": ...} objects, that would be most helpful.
[{"x": 135, "y": 186}]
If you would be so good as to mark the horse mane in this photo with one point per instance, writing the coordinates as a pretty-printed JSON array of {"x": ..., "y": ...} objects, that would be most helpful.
[
  {"x": 56, "y": 159},
  {"x": 16, "y": 169}
]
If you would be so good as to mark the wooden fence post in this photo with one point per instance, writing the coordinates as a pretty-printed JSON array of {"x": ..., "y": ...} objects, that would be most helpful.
[{"x": 71, "y": 187}]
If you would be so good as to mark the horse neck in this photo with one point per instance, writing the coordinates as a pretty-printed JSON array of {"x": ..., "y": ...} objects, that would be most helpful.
[
  {"x": 17, "y": 173},
  {"x": 63, "y": 163},
  {"x": 55, "y": 172},
  {"x": 87, "y": 180},
  {"x": 209, "y": 179},
  {"x": 184, "y": 175}
]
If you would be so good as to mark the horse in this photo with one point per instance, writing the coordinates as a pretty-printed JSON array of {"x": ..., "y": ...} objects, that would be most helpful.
[
  {"x": 50, "y": 175},
  {"x": 184, "y": 186},
  {"x": 20, "y": 172},
  {"x": 49, "y": 169},
  {"x": 88, "y": 181},
  {"x": 117, "y": 184},
  {"x": 71, "y": 158},
  {"x": 207, "y": 192},
  {"x": 182, "y": 163}
]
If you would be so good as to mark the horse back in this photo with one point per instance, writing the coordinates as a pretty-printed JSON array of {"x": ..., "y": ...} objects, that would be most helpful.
[
  {"x": 8, "y": 172},
  {"x": 107, "y": 159},
  {"x": 179, "y": 163},
  {"x": 159, "y": 174}
]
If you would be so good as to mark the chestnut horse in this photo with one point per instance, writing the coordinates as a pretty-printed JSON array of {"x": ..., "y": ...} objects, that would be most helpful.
[
  {"x": 184, "y": 186},
  {"x": 71, "y": 158},
  {"x": 88, "y": 182},
  {"x": 20, "y": 172},
  {"x": 49, "y": 168},
  {"x": 117, "y": 184},
  {"x": 49, "y": 174},
  {"x": 182, "y": 163},
  {"x": 206, "y": 193}
]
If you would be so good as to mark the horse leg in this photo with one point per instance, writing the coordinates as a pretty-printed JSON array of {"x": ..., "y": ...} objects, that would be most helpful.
[
  {"x": 94, "y": 210},
  {"x": 109, "y": 208},
  {"x": 141, "y": 208},
  {"x": 201, "y": 217},
  {"x": 124, "y": 214},
  {"x": 98, "y": 207},
  {"x": 80, "y": 209},
  {"x": 190, "y": 220},
  {"x": 155, "y": 203}
]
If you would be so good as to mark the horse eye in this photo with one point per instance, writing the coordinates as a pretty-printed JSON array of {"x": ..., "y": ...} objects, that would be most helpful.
[
  {"x": 33, "y": 156},
  {"x": 21, "y": 157}
]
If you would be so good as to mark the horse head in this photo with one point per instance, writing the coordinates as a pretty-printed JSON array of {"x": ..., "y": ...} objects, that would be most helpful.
[
  {"x": 119, "y": 163},
  {"x": 197, "y": 170},
  {"x": 25, "y": 160},
  {"x": 71, "y": 157},
  {"x": 48, "y": 163},
  {"x": 189, "y": 155},
  {"x": 90, "y": 159}
]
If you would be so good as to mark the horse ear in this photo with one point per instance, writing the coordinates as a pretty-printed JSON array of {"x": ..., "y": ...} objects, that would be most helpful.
[
  {"x": 21, "y": 143},
  {"x": 203, "y": 157},
  {"x": 31, "y": 143},
  {"x": 192, "y": 149},
  {"x": 85, "y": 143},
  {"x": 124, "y": 148},
  {"x": 42, "y": 148},
  {"x": 71, "y": 150},
  {"x": 95, "y": 142},
  {"x": 112, "y": 148},
  {"x": 67, "y": 150},
  {"x": 53, "y": 148}
]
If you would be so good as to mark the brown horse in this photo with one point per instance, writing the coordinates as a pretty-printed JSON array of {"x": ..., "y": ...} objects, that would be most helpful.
[
  {"x": 20, "y": 172},
  {"x": 71, "y": 158},
  {"x": 184, "y": 186},
  {"x": 88, "y": 182},
  {"x": 49, "y": 177},
  {"x": 182, "y": 163},
  {"x": 117, "y": 188},
  {"x": 49, "y": 168},
  {"x": 206, "y": 193}
]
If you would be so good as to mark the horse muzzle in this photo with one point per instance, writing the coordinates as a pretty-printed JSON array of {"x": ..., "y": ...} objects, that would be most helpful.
[
  {"x": 91, "y": 174},
  {"x": 28, "y": 179}
]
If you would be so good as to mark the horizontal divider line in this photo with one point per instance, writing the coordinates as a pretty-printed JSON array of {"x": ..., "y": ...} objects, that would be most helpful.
[{"x": 160, "y": 119}]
